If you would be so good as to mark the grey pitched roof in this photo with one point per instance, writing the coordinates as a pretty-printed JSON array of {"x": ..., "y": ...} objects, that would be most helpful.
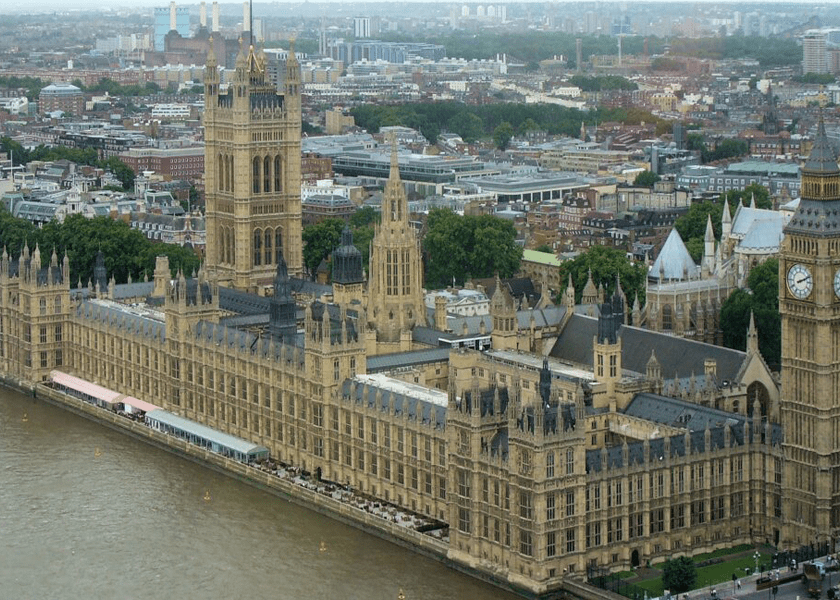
[
  {"x": 242, "y": 302},
  {"x": 675, "y": 355},
  {"x": 404, "y": 403},
  {"x": 823, "y": 157},
  {"x": 384, "y": 362},
  {"x": 133, "y": 290},
  {"x": 680, "y": 413},
  {"x": 123, "y": 319},
  {"x": 673, "y": 261}
]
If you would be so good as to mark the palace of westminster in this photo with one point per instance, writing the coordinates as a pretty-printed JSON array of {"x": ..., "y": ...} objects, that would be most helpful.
[{"x": 548, "y": 440}]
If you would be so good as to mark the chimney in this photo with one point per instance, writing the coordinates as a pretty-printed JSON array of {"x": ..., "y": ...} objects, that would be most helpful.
[
  {"x": 173, "y": 23},
  {"x": 215, "y": 16},
  {"x": 202, "y": 15}
]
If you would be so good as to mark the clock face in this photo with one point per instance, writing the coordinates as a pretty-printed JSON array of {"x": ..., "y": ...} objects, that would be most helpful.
[
  {"x": 800, "y": 282},
  {"x": 837, "y": 283}
]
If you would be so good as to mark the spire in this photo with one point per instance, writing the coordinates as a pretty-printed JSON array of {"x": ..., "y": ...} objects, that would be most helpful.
[
  {"x": 752, "y": 336},
  {"x": 752, "y": 200},
  {"x": 823, "y": 158},
  {"x": 710, "y": 234},
  {"x": 395, "y": 201}
]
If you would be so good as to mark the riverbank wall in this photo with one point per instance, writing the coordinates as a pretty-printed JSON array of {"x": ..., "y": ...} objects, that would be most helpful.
[{"x": 282, "y": 488}]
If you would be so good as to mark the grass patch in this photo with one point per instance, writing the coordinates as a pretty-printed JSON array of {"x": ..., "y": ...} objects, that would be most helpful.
[
  {"x": 722, "y": 552},
  {"x": 653, "y": 587},
  {"x": 711, "y": 576},
  {"x": 624, "y": 574}
]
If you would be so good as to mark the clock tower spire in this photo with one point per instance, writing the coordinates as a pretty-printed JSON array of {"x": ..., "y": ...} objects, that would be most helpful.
[{"x": 809, "y": 303}]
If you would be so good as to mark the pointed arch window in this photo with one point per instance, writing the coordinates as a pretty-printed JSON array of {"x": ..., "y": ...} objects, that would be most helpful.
[
  {"x": 268, "y": 235},
  {"x": 257, "y": 247},
  {"x": 256, "y": 175},
  {"x": 278, "y": 245},
  {"x": 220, "y": 173},
  {"x": 278, "y": 174},
  {"x": 266, "y": 174}
]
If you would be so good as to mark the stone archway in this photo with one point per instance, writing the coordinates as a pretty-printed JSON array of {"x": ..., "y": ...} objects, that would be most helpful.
[
  {"x": 757, "y": 391},
  {"x": 634, "y": 558}
]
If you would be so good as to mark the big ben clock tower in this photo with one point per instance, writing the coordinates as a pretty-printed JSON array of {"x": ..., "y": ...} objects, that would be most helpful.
[{"x": 809, "y": 303}]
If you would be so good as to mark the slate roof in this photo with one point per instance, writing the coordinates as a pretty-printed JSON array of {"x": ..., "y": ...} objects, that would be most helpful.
[
  {"x": 245, "y": 340},
  {"x": 764, "y": 235},
  {"x": 673, "y": 261},
  {"x": 680, "y": 413},
  {"x": 677, "y": 356},
  {"x": 823, "y": 158},
  {"x": 414, "y": 407},
  {"x": 122, "y": 319},
  {"x": 384, "y": 362},
  {"x": 543, "y": 317},
  {"x": 242, "y": 302}
]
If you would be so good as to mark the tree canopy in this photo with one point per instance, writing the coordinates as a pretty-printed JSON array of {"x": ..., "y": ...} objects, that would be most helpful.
[
  {"x": 679, "y": 574},
  {"x": 462, "y": 247},
  {"x": 502, "y": 135},
  {"x": 605, "y": 263},
  {"x": 320, "y": 239},
  {"x": 81, "y": 156},
  {"x": 762, "y": 300},
  {"x": 127, "y": 251},
  {"x": 476, "y": 122},
  {"x": 646, "y": 178}
]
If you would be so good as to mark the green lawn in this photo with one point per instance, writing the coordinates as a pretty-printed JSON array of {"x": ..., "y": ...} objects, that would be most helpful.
[
  {"x": 719, "y": 575},
  {"x": 722, "y": 552}
]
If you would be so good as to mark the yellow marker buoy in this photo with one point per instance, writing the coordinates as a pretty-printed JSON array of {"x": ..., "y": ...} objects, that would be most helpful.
[
  {"x": 401, "y": 595},
  {"x": 97, "y": 453},
  {"x": 25, "y": 418},
  {"x": 207, "y": 496},
  {"x": 322, "y": 547}
]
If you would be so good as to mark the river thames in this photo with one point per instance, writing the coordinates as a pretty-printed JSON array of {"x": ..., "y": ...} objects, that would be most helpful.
[{"x": 86, "y": 512}]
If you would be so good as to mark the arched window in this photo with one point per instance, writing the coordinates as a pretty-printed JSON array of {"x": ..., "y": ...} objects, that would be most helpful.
[
  {"x": 267, "y": 174},
  {"x": 230, "y": 173},
  {"x": 757, "y": 391},
  {"x": 257, "y": 247},
  {"x": 268, "y": 235},
  {"x": 231, "y": 246},
  {"x": 549, "y": 465},
  {"x": 57, "y": 304},
  {"x": 220, "y": 173},
  {"x": 278, "y": 245},
  {"x": 278, "y": 174},
  {"x": 256, "y": 175},
  {"x": 667, "y": 325}
]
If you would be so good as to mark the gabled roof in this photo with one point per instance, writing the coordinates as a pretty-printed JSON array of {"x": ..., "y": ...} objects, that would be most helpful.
[{"x": 677, "y": 356}]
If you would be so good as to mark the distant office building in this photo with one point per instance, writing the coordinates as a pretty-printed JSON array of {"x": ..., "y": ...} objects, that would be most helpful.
[
  {"x": 392, "y": 52},
  {"x": 168, "y": 19},
  {"x": 814, "y": 53},
  {"x": 361, "y": 27}
]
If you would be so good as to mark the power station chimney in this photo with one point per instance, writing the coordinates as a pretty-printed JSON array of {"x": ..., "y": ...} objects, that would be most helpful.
[
  {"x": 202, "y": 15},
  {"x": 215, "y": 16},
  {"x": 173, "y": 22}
]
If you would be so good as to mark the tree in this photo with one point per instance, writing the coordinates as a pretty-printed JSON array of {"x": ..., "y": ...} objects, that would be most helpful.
[
  {"x": 366, "y": 215},
  {"x": 544, "y": 248},
  {"x": 762, "y": 300},
  {"x": 319, "y": 240},
  {"x": 502, "y": 135},
  {"x": 460, "y": 247},
  {"x": 646, "y": 179},
  {"x": 605, "y": 263},
  {"x": 679, "y": 574},
  {"x": 745, "y": 196}
]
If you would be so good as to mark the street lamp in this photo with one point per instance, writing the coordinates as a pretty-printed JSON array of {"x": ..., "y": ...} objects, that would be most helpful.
[{"x": 756, "y": 556}]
